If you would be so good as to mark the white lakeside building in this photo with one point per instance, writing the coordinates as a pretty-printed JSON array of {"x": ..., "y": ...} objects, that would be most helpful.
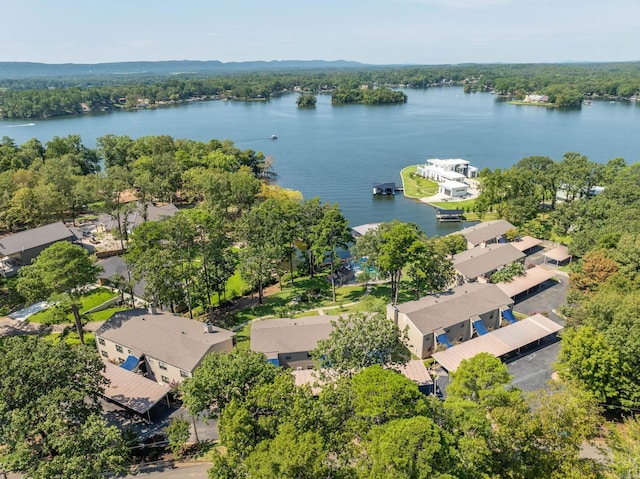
[{"x": 450, "y": 173}]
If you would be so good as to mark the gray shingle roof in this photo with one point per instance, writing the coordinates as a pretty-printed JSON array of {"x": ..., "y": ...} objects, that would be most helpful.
[
  {"x": 440, "y": 311},
  {"x": 486, "y": 231},
  {"x": 35, "y": 237},
  {"x": 288, "y": 335},
  {"x": 135, "y": 217},
  {"x": 478, "y": 261},
  {"x": 175, "y": 340}
]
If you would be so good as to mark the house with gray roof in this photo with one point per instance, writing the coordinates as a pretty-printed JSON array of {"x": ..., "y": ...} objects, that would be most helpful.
[
  {"x": 478, "y": 264},
  {"x": 168, "y": 347},
  {"x": 19, "y": 249},
  {"x": 136, "y": 216},
  {"x": 287, "y": 342},
  {"x": 450, "y": 317},
  {"x": 487, "y": 232}
]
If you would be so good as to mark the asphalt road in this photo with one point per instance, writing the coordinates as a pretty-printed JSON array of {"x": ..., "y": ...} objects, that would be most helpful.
[{"x": 181, "y": 471}]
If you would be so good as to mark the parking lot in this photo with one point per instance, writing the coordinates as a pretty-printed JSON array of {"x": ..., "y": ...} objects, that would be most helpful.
[{"x": 533, "y": 367}]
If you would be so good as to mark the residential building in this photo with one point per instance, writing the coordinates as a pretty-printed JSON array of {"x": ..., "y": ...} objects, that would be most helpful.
[
  {"x": 136, "y": 216},
  {"x": 478, "y": 264},
  {"x": 288, "y": 342},
  {"x": 487, "y": 232},
  {"x": 19, "y": 249},
  {"x": 450, "y": 317},
  {"x": 536, "y": 99},
  {"x": 439, "y": 170},
  {"x": 168, "y": 347}
]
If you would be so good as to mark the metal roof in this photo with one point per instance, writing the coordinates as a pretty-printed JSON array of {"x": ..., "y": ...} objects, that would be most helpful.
[
  {"x": 533, "y": 277},
  {"x": 414, "y": 370},
  {"x": 499, "y": 342},
  {"x": 132, "y": 390},
  {"x": 525, "y": 242},
  {"x": 559, "y": 253},
  {"x": 361, "y": 230}
]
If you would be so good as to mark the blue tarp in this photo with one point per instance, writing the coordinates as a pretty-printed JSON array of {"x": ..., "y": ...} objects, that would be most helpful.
[
  {"x": 479, "y": 325},
  {"x": 507, "y": 314},
  {"x": 274, "y": 361},
  {"x": 131, "y": 363},
  {"x": 444, "y": 339}
]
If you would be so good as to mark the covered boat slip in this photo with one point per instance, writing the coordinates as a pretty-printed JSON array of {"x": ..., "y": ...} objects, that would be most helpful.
[
  {"x": 131, "y": 390},
  {"x": 499, "y": 342}
]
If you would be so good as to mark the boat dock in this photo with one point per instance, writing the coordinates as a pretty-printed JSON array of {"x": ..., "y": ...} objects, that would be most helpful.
[
  {"x": 449, "y": 215},
  {"x": 386, "y": 188}
]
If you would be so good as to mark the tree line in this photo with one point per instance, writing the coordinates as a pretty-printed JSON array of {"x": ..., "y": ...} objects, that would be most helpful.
[
  {"x": 362, "y": 419},
  {"x": 602, "y": 230},
  {"x": 566, "y": 85}
]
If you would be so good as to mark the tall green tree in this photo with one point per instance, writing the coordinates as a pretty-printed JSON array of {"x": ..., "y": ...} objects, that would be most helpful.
[
  {"x": 331, "y": 233},
  {"x": 482, "y": 379},
  {"x": 265, "y": 243},
  {"x": 222, "y": 377},
  {"x": 391, "y": 248},
  {"x": 50, "y": 423},
  {"x": 359, "y": 341},
  {"x": 58, "y": 274}
]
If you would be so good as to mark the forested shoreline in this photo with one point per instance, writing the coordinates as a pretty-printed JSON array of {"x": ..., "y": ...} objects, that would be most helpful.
[
  {"x": 373, "y": 419},
  {"x": 565, "y": 85}
]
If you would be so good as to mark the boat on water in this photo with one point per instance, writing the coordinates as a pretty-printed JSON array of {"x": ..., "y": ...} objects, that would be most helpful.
[
  {"x": 588, "y": 102},
  {"x": 273, "y": 137}
]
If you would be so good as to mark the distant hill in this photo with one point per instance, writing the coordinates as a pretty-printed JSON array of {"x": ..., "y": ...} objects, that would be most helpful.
[{"x": 16, "y": 70}]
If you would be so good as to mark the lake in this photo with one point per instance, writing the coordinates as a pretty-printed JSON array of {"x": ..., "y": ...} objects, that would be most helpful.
[{"x": 337, "y": 152}]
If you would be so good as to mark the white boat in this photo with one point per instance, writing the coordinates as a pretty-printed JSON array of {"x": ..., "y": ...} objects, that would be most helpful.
[{"x": 274, "y": 137}]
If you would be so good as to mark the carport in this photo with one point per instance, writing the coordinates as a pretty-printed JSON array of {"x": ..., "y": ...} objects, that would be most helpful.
[
  {"x": 499, "y": 342},
  {"x": 559, "y": 254},
  {"x": 526, "y": 243},
  {"x": 532, "y": 278},
  {"x": 133, "y": 391}
]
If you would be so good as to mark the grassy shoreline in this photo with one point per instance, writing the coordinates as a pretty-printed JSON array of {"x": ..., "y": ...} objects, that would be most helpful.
[{"x": 416, "y": 187}]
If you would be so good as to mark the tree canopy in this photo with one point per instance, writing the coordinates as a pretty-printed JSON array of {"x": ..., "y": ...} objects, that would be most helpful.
[{"x": 50, "y": 423}]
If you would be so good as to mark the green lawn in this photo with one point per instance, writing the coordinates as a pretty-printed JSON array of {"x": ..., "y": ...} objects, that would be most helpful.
[
  {"x": 278, "y": 304},
  {"x": 90, "y": 300},
  {"x": 106, "y": 313},
  {"x": 415, "y": 186},
  {"x": 71, "y": 338}
]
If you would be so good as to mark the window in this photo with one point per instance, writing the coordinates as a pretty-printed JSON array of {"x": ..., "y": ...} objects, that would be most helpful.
[
  {"x": 162, "y": 365},
  {"x": 184, "y": 374},
  {"x": 164, "y": 379},
  {"x": 287, "y": 356},
  {"x": 119, "y": 348},
  {"x": 120, "y": 360},
  {"x": 104, "y": 354},
  {"x": 462, "y": 326},
  {"x": 101, "y": 341}
]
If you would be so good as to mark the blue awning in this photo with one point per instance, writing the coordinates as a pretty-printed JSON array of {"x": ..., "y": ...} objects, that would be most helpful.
[
  {"x": 444, "y": 339},
  {"x": 274, "y": 361},
  {"x": 479, "y": 326},
  {"x": 131, "y": 363},
  {"x": 507, "y": 314}
]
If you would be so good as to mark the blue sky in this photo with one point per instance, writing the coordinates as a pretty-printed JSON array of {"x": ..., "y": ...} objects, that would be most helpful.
[{"x": 373, "y": 31}]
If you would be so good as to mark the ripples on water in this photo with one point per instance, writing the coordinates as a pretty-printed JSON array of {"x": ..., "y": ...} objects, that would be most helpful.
[{"x": 337, "y": 152}]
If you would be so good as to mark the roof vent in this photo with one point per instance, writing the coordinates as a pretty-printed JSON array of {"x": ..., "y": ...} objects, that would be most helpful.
[{"x": 208, "y": 328}]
